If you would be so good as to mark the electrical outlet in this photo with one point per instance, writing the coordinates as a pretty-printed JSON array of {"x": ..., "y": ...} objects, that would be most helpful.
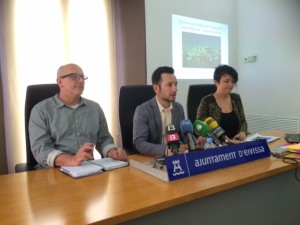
[{"x": 250, "y": 59}]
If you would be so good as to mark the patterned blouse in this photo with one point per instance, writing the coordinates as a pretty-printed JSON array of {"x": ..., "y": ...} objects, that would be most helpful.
[{"x": 209, "y": 108}]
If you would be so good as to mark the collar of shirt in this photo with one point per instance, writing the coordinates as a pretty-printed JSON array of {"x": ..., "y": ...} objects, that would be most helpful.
[
  {"x": 161, "y": 108},
  {"x": 62, "y": 104}
]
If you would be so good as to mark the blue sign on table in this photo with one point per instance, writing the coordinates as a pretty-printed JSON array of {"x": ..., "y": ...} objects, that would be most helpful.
[{"x": 193, "y": 163}]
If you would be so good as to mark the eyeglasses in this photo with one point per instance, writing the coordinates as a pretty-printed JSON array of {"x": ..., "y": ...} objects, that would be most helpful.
[{"x": 75, "y": 76}]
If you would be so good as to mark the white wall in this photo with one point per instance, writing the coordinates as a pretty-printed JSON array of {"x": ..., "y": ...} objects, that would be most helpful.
[
  {"x": 159, "y": 32},
  {"x": 268, "y": 29}
]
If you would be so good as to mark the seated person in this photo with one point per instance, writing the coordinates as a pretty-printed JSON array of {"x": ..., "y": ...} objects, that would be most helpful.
[
  {"x": 151, "y": 118},
  {"x": 225, "y": 107},
  {"x": 64, "y": 129}
]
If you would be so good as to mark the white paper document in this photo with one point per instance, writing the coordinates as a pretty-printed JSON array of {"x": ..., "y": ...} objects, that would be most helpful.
[{"x": 257, "y": 136}]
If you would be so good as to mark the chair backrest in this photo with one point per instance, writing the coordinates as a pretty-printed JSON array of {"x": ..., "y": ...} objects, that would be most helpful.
[
  {"x": 195, "y": 93},
  {"x": 130, "y": 97},
  {"x": 35, "y": 94}
]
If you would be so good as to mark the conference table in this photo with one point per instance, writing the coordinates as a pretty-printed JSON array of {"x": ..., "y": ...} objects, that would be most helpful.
[{"x": 264, "y": 191}]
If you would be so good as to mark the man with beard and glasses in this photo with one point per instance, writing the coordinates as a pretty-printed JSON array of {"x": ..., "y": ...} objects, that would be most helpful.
[
  {"x": 65, "y": 129},
  {"x": 151, "y": 117}
]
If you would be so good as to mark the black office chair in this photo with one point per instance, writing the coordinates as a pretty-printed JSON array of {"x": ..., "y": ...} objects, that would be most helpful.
[
  {"x": 195, "y": 93},
  {"x": 34, "y": 94},
  {"x": 130, "y": 97}
]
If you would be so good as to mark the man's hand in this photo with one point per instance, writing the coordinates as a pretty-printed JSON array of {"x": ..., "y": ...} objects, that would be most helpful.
[
  {"x": 83, "y": 154},
  {"x": 182, "y": 149},
  {"x": 117, "y": 154}
]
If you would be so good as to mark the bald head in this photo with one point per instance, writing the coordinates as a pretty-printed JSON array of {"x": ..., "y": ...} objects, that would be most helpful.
[{"x": 68, "y": 69}]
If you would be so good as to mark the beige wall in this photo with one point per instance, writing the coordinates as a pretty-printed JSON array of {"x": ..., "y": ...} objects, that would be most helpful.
[
  {"x": 130, "y": 44},
  {"x": 130, "y": 41},
  {"x": 3, "y": 161}
]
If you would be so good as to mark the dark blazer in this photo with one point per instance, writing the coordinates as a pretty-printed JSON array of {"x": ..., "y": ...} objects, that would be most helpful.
[{"x": 147, "y": 127}]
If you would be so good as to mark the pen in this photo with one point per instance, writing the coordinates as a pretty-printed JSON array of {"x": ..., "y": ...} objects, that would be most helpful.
[{"x": 90, "y": 151}]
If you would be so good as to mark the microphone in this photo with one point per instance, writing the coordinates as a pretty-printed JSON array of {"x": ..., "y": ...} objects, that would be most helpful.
[
  {"x": 172, "y": 138},
  {"x": 186, "y": 128},
  {"x": 202, "y": 129},
  {"x": 211, "y": 123},
  {"x": 217, "y": 130}
]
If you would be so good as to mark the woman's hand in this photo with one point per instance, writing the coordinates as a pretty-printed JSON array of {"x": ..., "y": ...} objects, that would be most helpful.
[
  {"x": 200, "y": 142},
  {"x": 240, "y": 136}
]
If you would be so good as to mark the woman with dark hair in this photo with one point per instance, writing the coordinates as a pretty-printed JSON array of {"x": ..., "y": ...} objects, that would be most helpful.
[{"x": 223, "y": 106}]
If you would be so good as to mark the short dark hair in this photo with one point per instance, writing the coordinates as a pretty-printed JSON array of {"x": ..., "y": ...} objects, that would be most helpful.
[
  {"x": 156, "y": 75},
  {"x": 225, "y": 69}
]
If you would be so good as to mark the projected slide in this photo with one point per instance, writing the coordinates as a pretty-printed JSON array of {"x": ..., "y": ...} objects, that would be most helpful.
[{"x": 198, "y": 47}]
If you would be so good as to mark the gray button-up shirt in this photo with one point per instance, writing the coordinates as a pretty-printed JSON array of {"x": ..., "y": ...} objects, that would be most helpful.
[{"x": 55, "y": 128}]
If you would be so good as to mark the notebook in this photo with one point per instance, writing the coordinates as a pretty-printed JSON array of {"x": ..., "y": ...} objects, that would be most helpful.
[
  {"x": 85, "y": 169},
  {"x": 109, "y": 163},
  {"x": 92, "y": 167},
  {"x": 293, "y": 138}
]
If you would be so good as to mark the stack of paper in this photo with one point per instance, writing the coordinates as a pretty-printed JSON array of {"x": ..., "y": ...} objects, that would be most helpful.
[{"x": 293, "y": 148}]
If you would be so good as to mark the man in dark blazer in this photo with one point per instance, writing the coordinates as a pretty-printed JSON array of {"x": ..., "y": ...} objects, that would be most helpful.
[{"x": 148, "y": 128}]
